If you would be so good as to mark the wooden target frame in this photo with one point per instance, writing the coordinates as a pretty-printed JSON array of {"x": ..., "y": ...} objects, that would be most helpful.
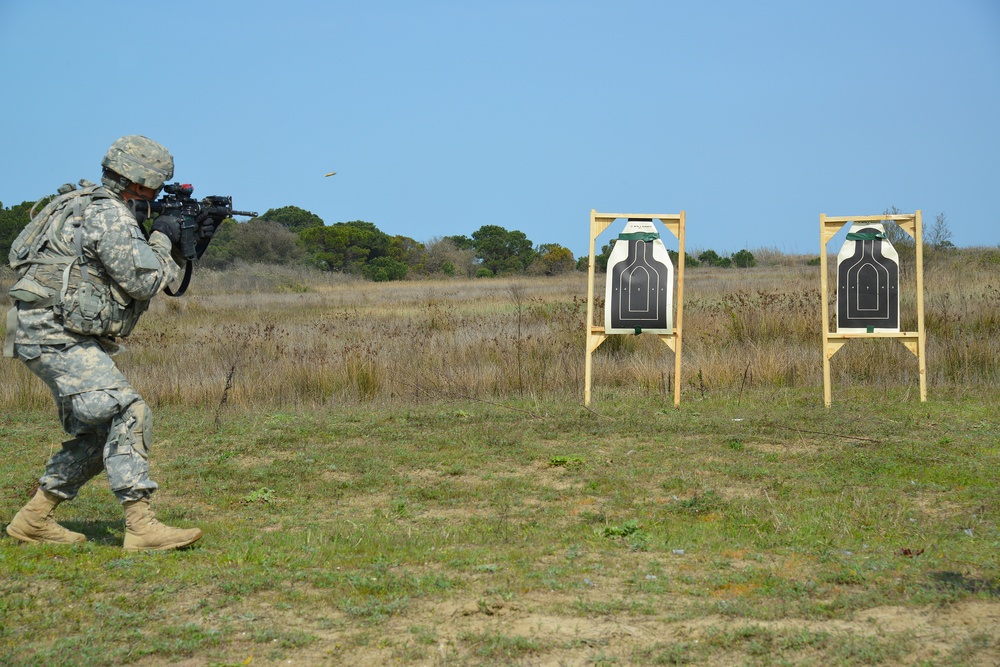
[
  {"x": 596, "y": 334},
  {"x": 915, "y": 341}
]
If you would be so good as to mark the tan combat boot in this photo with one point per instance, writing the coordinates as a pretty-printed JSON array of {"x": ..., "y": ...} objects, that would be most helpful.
[
  {"x": 34, "y": 523},
  {"x": 143, "y": 531}
]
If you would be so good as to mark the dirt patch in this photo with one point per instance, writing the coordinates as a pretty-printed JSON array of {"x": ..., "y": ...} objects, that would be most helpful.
[
  {"x": 529, "y": 631},
  {"x": 801, "y": 447},
  {"x": 603, "y": 621},
  {"x": 737, "y": 490}
]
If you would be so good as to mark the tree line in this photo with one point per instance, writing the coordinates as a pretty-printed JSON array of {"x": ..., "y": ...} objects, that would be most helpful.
[{"x": 292, "y": 235}]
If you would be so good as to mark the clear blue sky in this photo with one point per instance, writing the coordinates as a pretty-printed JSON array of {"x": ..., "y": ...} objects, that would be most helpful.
[{"x": 443, "y": 116}]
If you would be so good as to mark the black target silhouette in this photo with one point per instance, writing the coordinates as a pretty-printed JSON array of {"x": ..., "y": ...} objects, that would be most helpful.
[
  {"x": 868, "y": 285},
  {"x": 639, "y": 289}
]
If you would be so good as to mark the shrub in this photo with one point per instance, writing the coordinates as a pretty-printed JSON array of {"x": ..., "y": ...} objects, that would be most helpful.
[
  {"x": 744, "y": 259},
  {"x": 382, "y": 269}
]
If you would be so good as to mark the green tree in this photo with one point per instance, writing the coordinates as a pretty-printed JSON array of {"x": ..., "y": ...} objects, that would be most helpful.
[
  {"x": 601, "y": 258},
  {"x": 382, "y": 269},
  {"x": 461, "y": 242},
  {"x": 12, "y": 221},
  {"x": 336, "y": 248},
  {"x": 502, "y": 251},
  {"x": 712, "y": 258},
  {"x": 262, "y": 241},
  {"x": 744, "y": 259},
  {"x": 345, "y": 246},
  {"x": 220, "y": 252},
  {"x": 407, "y": 251},
  {"x": 293, "y": 217},
  {"x": 689, "y": 261},
  {"x": 377, "y": 241},
  {"x": 552, "y": 259}
]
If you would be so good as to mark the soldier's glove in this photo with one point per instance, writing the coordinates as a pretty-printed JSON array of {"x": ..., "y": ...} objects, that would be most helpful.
[
  {"x": 169, "y": 225},
  {"x": 208, "y": 221},
  {"x": 210, "y": 218}
]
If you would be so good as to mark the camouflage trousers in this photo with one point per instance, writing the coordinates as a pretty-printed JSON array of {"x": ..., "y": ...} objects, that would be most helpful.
[{"x": 110, "y": 423}]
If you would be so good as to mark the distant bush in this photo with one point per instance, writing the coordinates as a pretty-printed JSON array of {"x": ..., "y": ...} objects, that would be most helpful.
[
  {"x": 258, "y": 241},
  {"x": 382, "y": 269},
  {"x": 712, "y": 258},
  {"x": 744, "y": 259},
  {"x": 445, "y": 255},
  {"x": 12, "y": 221},
  {"x": 292, "y": 217},
  {"x": 990, "y": 258},
  {"x": 689, "y": 260},
  {"x": 552, "y": 259}
]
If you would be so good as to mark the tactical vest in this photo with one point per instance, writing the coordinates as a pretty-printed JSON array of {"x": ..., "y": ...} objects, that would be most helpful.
[{"x": 55, "y": 274}]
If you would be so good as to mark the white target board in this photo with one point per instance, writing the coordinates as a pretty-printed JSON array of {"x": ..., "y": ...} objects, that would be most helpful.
[
  {"x": 867, "y": 282},
  {"x": 640, "y": 282}
]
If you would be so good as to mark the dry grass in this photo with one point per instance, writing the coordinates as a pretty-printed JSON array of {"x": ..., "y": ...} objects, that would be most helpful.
[
  {"x": 264, "y": 336},
  {"x": 404, "y": 476}
]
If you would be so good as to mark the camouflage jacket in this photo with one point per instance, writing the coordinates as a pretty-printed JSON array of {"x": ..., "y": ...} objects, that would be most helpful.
[{"x": 117, "y": 256}]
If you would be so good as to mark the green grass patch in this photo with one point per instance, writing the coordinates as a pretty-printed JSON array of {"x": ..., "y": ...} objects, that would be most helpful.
[{"x": 464, "y": 533}]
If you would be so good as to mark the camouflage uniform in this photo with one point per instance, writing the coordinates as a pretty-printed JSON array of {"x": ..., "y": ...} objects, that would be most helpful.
[{"x": 109, "y": 421}]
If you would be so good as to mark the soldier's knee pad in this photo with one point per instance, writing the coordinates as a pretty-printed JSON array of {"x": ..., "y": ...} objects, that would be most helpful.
[
  {"x": 126, "y": 452},
  {"x": 131, "y": 431}
]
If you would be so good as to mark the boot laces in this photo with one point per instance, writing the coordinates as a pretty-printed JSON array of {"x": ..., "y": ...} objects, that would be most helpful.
[{"x": 151, "y": 519}]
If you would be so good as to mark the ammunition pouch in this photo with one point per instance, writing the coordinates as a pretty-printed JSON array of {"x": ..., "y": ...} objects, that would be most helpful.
[
  {"x": 27, "y": 291},
  {"x": 92, "y": 305}
]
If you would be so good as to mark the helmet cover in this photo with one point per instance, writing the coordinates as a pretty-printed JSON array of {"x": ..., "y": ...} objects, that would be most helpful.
[{"x": 140, "y": 160}]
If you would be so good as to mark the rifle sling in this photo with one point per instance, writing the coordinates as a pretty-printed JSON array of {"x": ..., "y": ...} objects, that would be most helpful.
[{"x": 188, "y": 269}]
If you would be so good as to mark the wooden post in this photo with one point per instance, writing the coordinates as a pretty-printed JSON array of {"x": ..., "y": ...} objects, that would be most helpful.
[
  {"x": 680, "y": 310},
  {"x": 918, "y": 237},
  {"x": 824, "y": 238},
  {"x": 588, "y": 365}
]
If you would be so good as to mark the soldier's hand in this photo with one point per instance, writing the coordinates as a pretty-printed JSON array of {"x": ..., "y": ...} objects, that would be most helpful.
[
  {"x": 209, "y": 225},
  {"x": 210, "y": 218},
  {"x": 170, "y": 226}
]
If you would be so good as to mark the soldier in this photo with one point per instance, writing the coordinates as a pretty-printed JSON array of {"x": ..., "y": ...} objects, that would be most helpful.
[{"x": 86, "y": 273}]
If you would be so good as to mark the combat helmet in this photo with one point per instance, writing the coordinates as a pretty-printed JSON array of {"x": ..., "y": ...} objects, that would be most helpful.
[{"x": 140, "y": 160}]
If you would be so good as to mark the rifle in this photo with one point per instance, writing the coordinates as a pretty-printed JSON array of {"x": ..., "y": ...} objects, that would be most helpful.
[{"x": 198, "y": 220}]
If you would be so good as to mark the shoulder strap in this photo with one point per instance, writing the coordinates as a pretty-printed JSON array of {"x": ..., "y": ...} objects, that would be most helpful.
[{"x": 45, "y": 228}]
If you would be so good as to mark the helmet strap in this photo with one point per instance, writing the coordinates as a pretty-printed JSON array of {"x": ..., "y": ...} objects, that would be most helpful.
[{"x": 114, "y": 182}]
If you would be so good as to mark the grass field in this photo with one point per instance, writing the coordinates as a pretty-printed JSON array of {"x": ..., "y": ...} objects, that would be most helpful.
[{"x": 405, "y": 474}]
